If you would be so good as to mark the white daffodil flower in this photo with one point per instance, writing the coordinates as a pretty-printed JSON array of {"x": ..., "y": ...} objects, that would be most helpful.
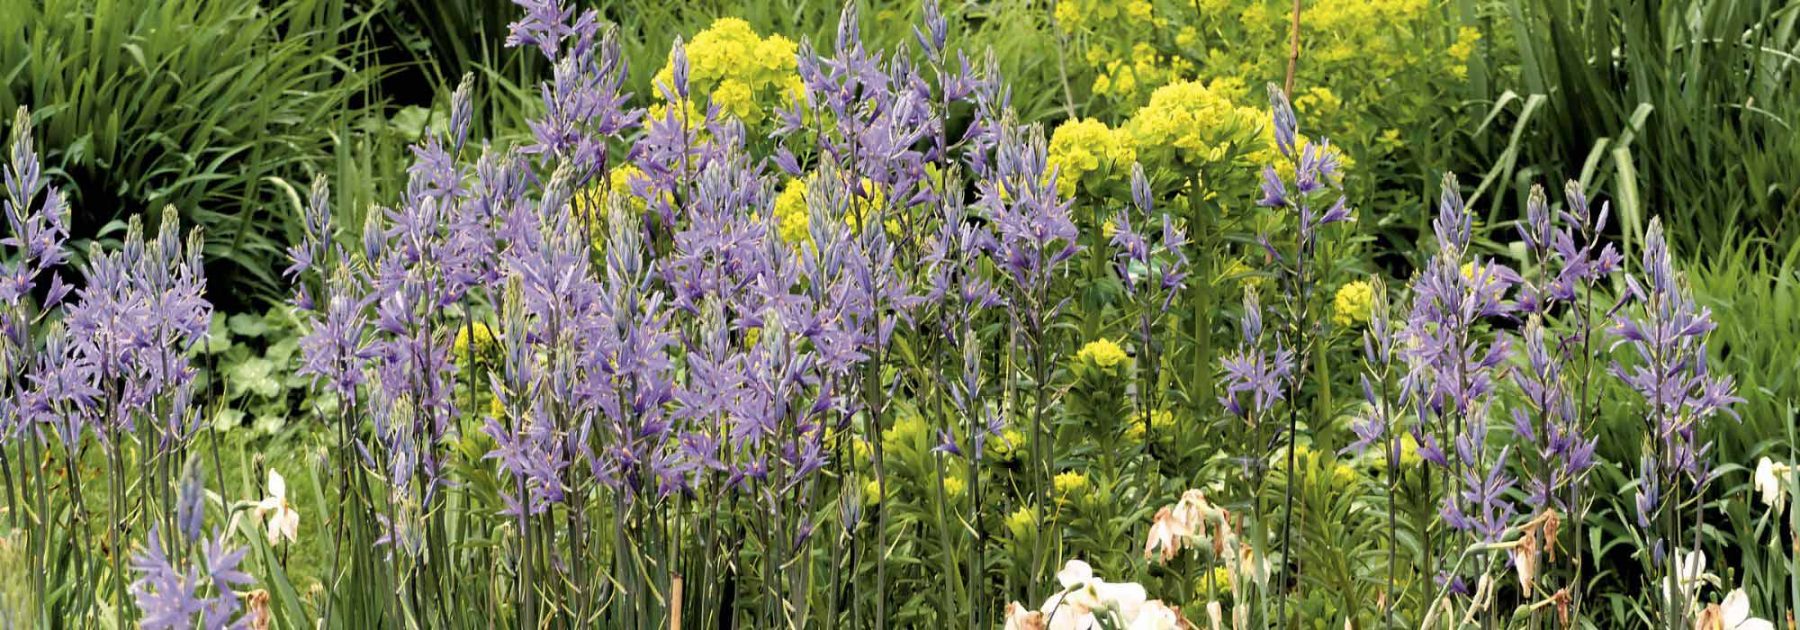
[
  {"x": 1771, "y": 483},
  {"x": 1736, "y": 613},
  {"x": 279, "y": 517},
  {"x": 1690, "y": 574},
  {"x": 1732, "y": 614}
]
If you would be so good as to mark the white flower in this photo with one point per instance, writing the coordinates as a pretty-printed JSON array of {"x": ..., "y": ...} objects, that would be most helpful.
[
  {"x": 1167, "y": 533},
  {"x": 1074, "y": 572},
  {"x": 282, "y": 520},
  {"x": 1771, "y": 482},
  {"x": 1156, "y": 615},
  {"x": 1690, "y": 573},
  {"x": 1084, "y": 595},
  {"x": 1733, "y": 614},
  {"x": 1737, "y": 613}
]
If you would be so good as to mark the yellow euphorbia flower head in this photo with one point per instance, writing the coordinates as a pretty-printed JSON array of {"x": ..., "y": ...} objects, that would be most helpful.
[
  {"x": 1352, "y": 304},
  {"x": 1083, "y": 147},
  {"x": 1069, "y": 483},
  {"x": 1103, "y": 353},
  {"x": 743, "y": 73}
]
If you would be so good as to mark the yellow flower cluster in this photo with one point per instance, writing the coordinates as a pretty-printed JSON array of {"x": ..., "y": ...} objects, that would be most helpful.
[
  {"x": 1460, "y": 50},
  {"x": 1353, "y": 51},
  {"x": 794, "y": 218},
  {"x": 1162, "y": 422},
  {"x": 1343, "y": 475},
  {"x": 476, "y": 338},
  {"x": 1008, "y": 446},
  {"x": 1218, "y": 581},
  {"x": 791, "y": 215},
  {"x": 1085, "y": 151},
  {"x": 1081, "y": 15},
  {"x": 1352, "y": 304},
  {"x": 1126, "y": 80},
  {"x": 1109, "y": 35},
  {"x": 1194, "y": 123},
  {"x": 1022, "y": 522},
  {"x": 1103, "y": 353},
  {"x": 954, "y": 487},
  {"x": 1069, "y": 483},
  {"x": 743, "y": 73}
]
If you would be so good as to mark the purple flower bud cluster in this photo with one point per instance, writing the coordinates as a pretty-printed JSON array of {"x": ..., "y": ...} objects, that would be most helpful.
[
  {"x": 1254, "y": 368},
  {"x": 1316, "y": 171},
  {"x": 1568, "y": 264},
  {"x": 33, "y": 247},
  {"x": 1452, "y": 371},
  {"x": 1382, "y": 420},
  {"x": 1667, "y": 366},
  {"x": 187, "y": 581},
  {"x": 1138, "y": 262},
  {"x": 1035, "y": 234}
]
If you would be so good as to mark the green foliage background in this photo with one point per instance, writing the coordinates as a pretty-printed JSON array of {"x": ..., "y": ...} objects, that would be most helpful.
[{"x": 1688, "y": 110}]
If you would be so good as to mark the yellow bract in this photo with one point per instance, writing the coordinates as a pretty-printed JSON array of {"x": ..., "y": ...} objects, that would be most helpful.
[
  {"x": 1083, "y": 147},
  {"x": 477, "y": 333},
  {"x": 1161, "y": 421},
  {"x": 1022, "y": 522},
  {"x": 741, "y": 72},
  {"x": 1194, "y": 123},
  {"x": 791, "y": 215},
  {"x": 794, "y": 218},
  {"x": 1069, "y": 483},
  {"x": 1352, "y": 303},
  {"x": 954, "y": 486},
  {"x": 872, "y": 492},
  {"x": 1008, "y": 445},
  {"x": 1103, "y": 353}
]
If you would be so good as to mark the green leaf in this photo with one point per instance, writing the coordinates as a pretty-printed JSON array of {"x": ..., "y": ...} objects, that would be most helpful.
[
  {"x": 227, "y": 419},
  {"x": 218, "y": 339},
  {"x": 283, "y": 350},
  {"x": 255, "y": 375},
  {"x": 247, "y": 325},
  {"x": 269, "y": 424}
]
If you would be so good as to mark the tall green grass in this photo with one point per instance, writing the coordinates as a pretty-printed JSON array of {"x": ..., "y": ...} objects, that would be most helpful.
[
  {"x": 1687, "y": 109},
  {"x": 1753, "y": 289},
  {"x": 205, "y": 105}
]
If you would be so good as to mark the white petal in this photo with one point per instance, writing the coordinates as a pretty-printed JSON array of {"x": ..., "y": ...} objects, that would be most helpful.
[
  {"x": 1156, "y": 616},
  {"x": 1736, "y": 612},
  {"x": 290, "y": 524},
  {"x": 1126, "y": 597},
  {"x": 277, "y": 485},
  {"x": 1074, "y": 572},
  {"x": 1767, "y": 483}
]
